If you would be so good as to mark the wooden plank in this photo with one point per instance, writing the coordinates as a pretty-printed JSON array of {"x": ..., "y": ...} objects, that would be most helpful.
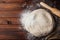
[
  {"x": 11, "y": 26},
  {"x": 20, "y": 36},
  {"x": 10, "y": 13},
  {"x": 10, "y": 29},
  {"x": 10, "y": 6},
  {"x": 55, "y": 36},
  {"x": 9, "y": 21},
  {"x": 12, "y": 32},
  {"x": 12, "y": 1}
]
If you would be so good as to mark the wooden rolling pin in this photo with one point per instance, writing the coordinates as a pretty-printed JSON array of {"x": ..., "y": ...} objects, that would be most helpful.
[{"x": 53, "y": 10}]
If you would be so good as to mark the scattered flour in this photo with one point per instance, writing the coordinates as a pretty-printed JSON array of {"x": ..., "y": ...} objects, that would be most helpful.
[{"x": 38, "y": 22}]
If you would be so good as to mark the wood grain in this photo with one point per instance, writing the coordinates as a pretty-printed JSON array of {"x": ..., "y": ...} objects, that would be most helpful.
[
  {"x": 10, "y": 21},
  {"x": 10, "y": 6},
  {"x": 10, "y": 26},
  {"x": 10, "y": 13},
  {"x": 12, "y": 32},
  {"x": 12, "y": 35},
  {"x": 12, "y": 1}
]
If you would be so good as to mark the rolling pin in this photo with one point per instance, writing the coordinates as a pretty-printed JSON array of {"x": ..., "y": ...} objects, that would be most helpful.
[{"x": 53, "y": 10}]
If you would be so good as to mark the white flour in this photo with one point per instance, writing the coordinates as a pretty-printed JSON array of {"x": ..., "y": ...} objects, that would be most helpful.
[{"x": 38, "y": 22}]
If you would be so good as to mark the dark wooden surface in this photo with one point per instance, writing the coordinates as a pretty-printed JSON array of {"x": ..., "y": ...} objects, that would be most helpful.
[{"x": 10, "y": 27}]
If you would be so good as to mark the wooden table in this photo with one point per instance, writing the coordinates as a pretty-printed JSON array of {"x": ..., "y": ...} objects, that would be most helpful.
[{"x": 10, "y": 26}]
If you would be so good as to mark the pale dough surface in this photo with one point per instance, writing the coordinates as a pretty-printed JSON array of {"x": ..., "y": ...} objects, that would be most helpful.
[{"x": 38, "y": 22}]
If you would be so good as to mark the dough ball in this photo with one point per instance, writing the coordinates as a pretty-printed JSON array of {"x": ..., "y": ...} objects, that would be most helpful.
[{"x": 38, "y": 22}]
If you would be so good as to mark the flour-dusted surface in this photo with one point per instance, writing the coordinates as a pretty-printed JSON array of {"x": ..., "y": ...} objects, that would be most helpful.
[{"x": 38, "y": 23}]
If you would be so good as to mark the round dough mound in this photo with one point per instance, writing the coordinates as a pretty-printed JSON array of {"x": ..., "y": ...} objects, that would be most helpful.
[{"x": 39, "y": 22}]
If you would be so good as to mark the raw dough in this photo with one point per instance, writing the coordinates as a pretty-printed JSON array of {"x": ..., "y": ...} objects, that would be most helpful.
[{"x": 38, "y": 22}]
